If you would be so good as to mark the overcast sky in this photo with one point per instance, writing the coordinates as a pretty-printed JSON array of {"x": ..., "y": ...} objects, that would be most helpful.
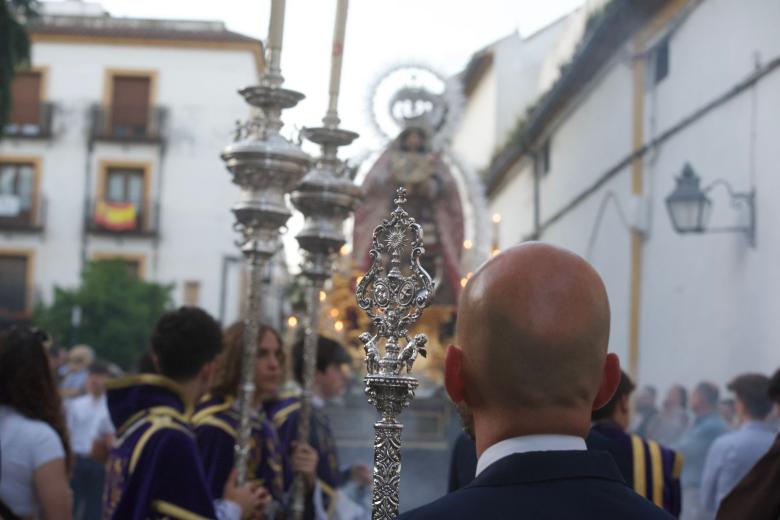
[{"x": 380, "y": 34}]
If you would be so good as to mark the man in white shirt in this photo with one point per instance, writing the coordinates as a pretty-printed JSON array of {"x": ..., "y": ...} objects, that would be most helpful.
[
  {"x": 91, "y": 435},
  {"x": 733, "y": 454},
  {"x": 530, "y": 365}
]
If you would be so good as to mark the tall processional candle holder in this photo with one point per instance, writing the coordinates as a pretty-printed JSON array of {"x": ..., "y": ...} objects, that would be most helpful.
[
  {"x": 266, "y": 166},
  {"x": 326, "y": 197},
  {"x": 393, "y": 293}
]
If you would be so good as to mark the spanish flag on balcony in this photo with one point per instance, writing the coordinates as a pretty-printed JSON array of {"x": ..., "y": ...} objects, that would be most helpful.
[{"x": 116, "y": 216}]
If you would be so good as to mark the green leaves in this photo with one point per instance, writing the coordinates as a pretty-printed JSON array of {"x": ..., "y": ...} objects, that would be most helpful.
[
  {"x": 14, "y": 48},
  {"x": 118, "y": 312}
]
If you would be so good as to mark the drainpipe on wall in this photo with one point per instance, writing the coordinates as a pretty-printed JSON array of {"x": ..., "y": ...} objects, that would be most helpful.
[
  {"x": 162, "y": 129},
  {"x": 637, "y": 185},
  {"x": 87, "y": 183}
]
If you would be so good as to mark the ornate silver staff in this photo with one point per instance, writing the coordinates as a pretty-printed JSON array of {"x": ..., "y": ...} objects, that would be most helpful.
[
  {"x": 326, "y": 197},
  {"x": 393, "y": 293},
  {"x": 266, "y": 166}
]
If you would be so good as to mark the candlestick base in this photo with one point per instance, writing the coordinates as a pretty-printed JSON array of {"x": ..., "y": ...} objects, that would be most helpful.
[
  {"x": 327, "y": 136},
  {"x": 263, "y": 96}
]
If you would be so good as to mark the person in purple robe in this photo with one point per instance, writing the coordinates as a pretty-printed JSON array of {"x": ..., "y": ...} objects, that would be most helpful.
[
  {"x": 651, "y": 469},
  {"x": 154, "y": 470},
  {"x": 217, "y": 418},
  {"x": 285, "y": 412}
]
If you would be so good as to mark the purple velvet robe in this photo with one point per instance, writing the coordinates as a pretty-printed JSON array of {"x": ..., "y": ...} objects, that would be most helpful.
[
  {"x": 154, "y": 470},
  {"x": 216, "y": 422}
]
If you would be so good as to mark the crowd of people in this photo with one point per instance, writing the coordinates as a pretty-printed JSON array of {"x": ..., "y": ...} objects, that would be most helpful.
[
  {"x": 79, "y": 439},
  {"x": 554, "y": 429}
]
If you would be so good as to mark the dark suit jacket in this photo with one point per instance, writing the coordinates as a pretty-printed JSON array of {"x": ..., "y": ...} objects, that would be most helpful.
[
  {"x": 757, "y": 496},
  {"x": 463, "y": 464},
  {"x": 549, "y": 485}
]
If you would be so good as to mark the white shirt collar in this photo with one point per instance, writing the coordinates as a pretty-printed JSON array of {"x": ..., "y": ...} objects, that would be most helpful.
[{"x": 526, "y": 443}]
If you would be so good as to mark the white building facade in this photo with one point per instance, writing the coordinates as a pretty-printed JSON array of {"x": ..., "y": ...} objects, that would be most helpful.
[
  {"x": 113, "y": 150},
  {"x": 654, "y": 86}
]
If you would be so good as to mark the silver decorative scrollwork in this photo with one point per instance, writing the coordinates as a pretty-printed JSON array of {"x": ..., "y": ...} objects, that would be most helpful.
[{"x": 393, "y": 293}]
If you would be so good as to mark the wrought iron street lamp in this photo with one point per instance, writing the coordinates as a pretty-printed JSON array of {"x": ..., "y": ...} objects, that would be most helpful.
[{"x": 690, "y": 207}]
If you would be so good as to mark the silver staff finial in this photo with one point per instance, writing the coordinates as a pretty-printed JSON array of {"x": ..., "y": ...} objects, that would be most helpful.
[{"x": 393, "y": 293}]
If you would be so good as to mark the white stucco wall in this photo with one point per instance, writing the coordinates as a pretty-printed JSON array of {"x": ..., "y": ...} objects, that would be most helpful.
[
  {"x": 708, "y": 302},
  {"x": 198, "y": 87},
  {"x": 475, "y": 139},
  {"x": 504, "y": 93},
  {"x": 591, "y": 139},
  {"x": 514, "y": 202}
]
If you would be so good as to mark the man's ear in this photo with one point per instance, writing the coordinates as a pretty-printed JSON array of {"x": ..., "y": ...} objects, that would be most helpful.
[
  {"x": 453, "y": 374},
  {"x": 156, "y": 363},
  {"x": 610, "y": 378}
]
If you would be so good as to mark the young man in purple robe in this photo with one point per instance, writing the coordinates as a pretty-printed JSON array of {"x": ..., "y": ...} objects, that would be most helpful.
[
  {"x": 155, "y": 470},
  {"x": 653, "y": 470}
]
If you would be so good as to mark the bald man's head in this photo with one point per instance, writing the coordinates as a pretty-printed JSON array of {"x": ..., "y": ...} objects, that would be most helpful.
[{"x": 533, "y": 324}]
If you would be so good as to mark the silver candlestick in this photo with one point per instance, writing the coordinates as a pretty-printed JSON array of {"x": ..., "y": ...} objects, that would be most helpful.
[
  {"x": 393, "y": 293},
  {"x": 326, "y": 197},
  {"x": 266, "y": 166}
]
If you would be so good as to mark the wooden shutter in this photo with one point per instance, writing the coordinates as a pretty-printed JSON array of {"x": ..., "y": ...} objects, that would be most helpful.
[
  {"x": 26, "y": 99},
  {"x": 13, "y": 284},
  {"x": 130, "y": 103}
]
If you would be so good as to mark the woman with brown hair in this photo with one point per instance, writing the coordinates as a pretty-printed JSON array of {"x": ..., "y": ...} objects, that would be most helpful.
[
  {"x": 217, "y": 417},
  {"x": 34, "y": 448}
]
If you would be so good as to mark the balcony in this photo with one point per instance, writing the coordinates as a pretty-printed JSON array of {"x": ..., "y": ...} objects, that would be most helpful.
[
  {"x": 30, "y": 122},
  {"x": 16, "y": 219},
  {"x": 127, "y": 124},
  {"x": 122, "y": 219}
]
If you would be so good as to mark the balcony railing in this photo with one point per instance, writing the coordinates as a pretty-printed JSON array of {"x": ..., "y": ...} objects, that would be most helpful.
[
  {"x": 127, "y": 124},
  {"x": 16, "y": 219},
  {"x": 118, "y": 219},
  {"x": 30, "y": 122}
]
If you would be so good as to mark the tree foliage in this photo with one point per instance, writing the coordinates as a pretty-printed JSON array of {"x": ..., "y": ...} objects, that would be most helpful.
[
  {"x": 14, "y": 47},
  {"x": 118, "y": 312}
]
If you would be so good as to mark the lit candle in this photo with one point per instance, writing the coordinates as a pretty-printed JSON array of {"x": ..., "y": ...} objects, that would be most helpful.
[{"x": 337, "y": 53}]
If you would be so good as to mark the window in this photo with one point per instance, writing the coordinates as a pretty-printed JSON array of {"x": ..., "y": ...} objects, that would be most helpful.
[
  {"x": 122, "y": 205},
  {"x": 17, "y": 192},
  {"x": 13, "y": 284},
  {"x": 130, "y": 105},
  {"x": 660, "y": 61},
  {"x": 191, "y": 292},
  {"x": 26, "y": 103},
  {"x": 542, "y": 159}
]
